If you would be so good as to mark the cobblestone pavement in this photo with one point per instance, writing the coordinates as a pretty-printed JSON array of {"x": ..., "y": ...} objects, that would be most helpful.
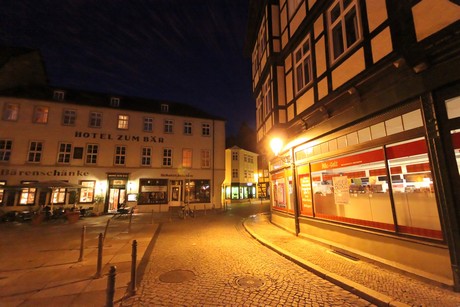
[{"x": 212, "y": 261}]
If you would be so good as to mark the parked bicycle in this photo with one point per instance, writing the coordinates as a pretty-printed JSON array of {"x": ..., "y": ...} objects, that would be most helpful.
[{"x": 186, "y": 212}]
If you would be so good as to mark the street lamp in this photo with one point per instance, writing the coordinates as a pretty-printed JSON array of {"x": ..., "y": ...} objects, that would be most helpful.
[{"x": 276, "y": 145}]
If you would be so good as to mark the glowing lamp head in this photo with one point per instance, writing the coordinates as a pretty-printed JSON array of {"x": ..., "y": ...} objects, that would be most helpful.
[{"x": 276, "y": 145}]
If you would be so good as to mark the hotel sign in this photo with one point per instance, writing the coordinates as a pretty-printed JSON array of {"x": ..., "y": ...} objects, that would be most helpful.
[{"x": 118, "y": 137}]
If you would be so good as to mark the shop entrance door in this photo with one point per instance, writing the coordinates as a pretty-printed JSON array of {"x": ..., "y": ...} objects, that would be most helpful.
[
  {"x": 176, "y": 195},
  {"x": 117, "y": 197}
]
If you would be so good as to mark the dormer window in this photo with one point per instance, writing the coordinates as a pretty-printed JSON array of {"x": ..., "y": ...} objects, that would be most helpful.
[
  {"x": 59, "y": 95},
  {"x": 164, "y": 108},
  {"x": 115, "y": 102}
]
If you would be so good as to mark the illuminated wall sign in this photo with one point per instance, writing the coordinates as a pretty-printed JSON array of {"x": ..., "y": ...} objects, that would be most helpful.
[
  {"x": 53, "y": 173},
  {"x": 118, "y": 137}
]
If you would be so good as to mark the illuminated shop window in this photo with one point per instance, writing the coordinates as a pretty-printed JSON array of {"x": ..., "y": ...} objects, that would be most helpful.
[
  {"x": 87, "y": 193},
  {"x": 59, "y": 196},
  {"x": 198, "y": 191},
  {"x": 153, "y": 191},
  {"x": 27, "y": 196}
]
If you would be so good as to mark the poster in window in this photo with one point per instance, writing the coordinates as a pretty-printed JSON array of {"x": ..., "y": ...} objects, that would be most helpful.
[
  {"x": 341, "y": 190},
  {"x": 305, "y": 194}
]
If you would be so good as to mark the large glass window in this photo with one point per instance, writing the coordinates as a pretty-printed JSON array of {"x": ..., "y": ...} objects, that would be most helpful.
[
  {"x": 153, "y": 191},
  {"x": 27, "y": 196},
  {"x": 5, "y": 150},
  {"x": 59, "y": 196},
  {"x": 344, "y": 26},
  {"x": 198, "y": 191},
  {"x": 350, "y": 189},
  {"x": 413, "y": 191},
  {"x": 87, "y": 193},
  {"x": 279, "y": 191}
]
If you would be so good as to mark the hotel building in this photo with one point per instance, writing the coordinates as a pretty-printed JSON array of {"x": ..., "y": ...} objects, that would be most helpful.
[
  {"x": 113, "y": 149},
  {"x": 363, "y": 99}
]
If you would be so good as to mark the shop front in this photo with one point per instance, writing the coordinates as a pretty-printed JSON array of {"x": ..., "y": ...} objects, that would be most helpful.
[{"x": 374, "y": 190}]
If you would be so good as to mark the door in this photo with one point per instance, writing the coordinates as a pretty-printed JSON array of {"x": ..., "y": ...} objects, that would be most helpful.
[
  {"x": 176, "y": 194},
  {"x": 116, "y": 199}
]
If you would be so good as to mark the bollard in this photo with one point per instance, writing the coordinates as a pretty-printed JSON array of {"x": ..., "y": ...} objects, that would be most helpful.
[
  {"x": 130, "y": 219},
  {"x": 82, "y": 244},
  {"x": 106, "y": 228},
  {"x": 99, "y": 256},
  {"x": 111, "y": 286},
  {"x": 151, "y": 219},
  {"x": 132, "y": 284}
]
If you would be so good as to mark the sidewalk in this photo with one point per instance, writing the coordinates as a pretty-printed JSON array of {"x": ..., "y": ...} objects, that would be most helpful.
[
  {"x": 39, "y": 272},
  {"x": 378, "y": 285}
]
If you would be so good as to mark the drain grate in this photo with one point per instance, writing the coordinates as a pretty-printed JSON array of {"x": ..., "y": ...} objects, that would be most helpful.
[
  {"x": 177, "y": 276},
  {"x": 344, "y": 255}
]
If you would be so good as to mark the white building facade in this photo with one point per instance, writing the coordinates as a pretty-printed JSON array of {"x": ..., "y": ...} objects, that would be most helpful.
[
  {"x": 147, "y": 154},
  {"x": 241, "y": 174}
]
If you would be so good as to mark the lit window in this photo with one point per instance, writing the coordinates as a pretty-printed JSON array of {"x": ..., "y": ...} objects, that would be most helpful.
[
  {"x": 123, "y": 122},
  {"x": 27, "y": 196},
  {"x": 95, "y": 119},
  {"x": 168, "y": 126},
  {"x": 64, "y": 152},
  {"x": 146, "y": 158},
  {"x": 148, "y": 124},
  {"x": 188, "y": 128},
  {"x": 5, "y": 150},
  {"x": 59, "y": 195},
  {"x": 69, "y": 117},
  {"x": 91, "y": 153},
  {"x": 186, "y": 157},
  {"x": 87, "y": 193},
  {"x": 120, "y": 155},
  {"x": 167, "y": 157},
  {"x": 344, "y": 27},
  {"x": 35, "y": 151},
  {"x": 205, "y": 158},
  {"x": 302, "y": 64},
  {"x": 40, "y": 115},
  {"x": 205, "y": 129},
  {"x": 11, "y": 112},
  {"x": 2, "y": 191}
]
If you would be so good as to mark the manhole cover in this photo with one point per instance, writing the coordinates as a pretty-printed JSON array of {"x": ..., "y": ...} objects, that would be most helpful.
[
  {"x": 249, "y": 283},
  {"x": 177, "y": 276}
]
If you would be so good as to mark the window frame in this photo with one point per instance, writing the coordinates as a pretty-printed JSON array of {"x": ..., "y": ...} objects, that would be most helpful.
[
  {"x": 35, "y": 151},
  {"x": 167, "y": 157},
  {"x": 168, "y": 126},
  {"x": 41, "y": 115},
  {"x": 187, "y": 157},
  {"x": 205, "y": 129},
  {"x": 95, "y": 119},
  {"x": 147, "y": 124},
  {"x": 120, "y": 155},
  {"x": 341, "y": 22},
  {"x": 123, "y": 122},
  {"x": 91, "y": 156},
  {"x": 10, "y": 112},
  {"x": 205, "y": 157},
  {"x": 146, "y": 156},
  {"x": 69, "y": 117},
  {"x": 5, "y": 150},
  {"x": 64, "y": 154},
  {"x": 302, "y": 78}
]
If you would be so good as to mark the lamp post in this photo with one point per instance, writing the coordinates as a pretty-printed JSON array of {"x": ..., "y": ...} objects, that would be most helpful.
[{"x": 276, "y": 145}]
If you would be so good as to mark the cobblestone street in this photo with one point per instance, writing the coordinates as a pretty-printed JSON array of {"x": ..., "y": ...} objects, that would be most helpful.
[{"x": 211, "y": 260}]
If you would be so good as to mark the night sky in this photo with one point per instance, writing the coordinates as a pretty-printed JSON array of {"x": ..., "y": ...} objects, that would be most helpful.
[{"x": 188, "y": 51}]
